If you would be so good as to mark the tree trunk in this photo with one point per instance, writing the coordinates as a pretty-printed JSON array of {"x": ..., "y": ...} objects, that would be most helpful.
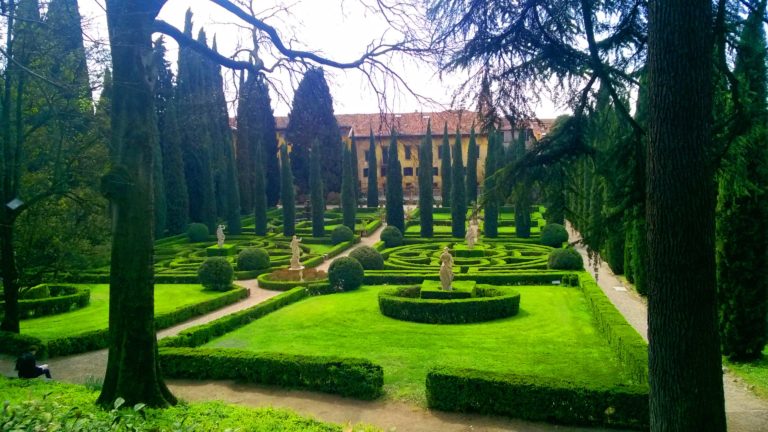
[
  {"x": 132, "y": 368},
  {"x": 10, "y": 275},
  {"x": 686, "y": 388}
]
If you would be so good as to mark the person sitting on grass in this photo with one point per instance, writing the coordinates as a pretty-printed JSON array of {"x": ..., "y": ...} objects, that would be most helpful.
[{"x": 27, "y": 366}]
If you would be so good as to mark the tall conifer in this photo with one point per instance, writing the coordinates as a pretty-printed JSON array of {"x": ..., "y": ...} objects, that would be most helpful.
[
  {"x": 458, "y": 194},
  {"x": 348, "y": 205},
  {"x": 446, "y": 172},
  {"x": 373, "y": 177},
  {"x": 355, "y": 170},
  {"x": 395, "y": 212},
  {"x": 317, "y": 199},
  {"x": 472, "y": 156},
  {"x": 522, "y": 191},
  {"x": 491, "y": 222},
  {"x": 259, "y": 190},
  {"x": 425, "y": 184},
  {"x": 287, "y": 194}
]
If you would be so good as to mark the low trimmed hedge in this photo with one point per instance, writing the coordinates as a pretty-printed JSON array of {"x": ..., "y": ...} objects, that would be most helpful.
[
  {"x": 350, "y": 377},
  {"x": 411, "y": 277},
  {"x": 15, "y": 344},
  {"x": 201, "y": 334},
  {"x": 281, "y": 285},
  {"x": 492, "y": 303},
  {"x": 64, "y": 298},
  {"x": 537, "y": 398}
]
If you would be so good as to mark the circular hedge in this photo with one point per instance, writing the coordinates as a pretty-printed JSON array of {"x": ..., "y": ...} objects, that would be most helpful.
[
  {"x": 216, "y": 274},
  {"x": 346, "y": 273},
  {"x": 565, "y": 259},
  {"x": 368, "y": 257},
  {"x": 197, "y": 232},
  {"x": 341, "y": 234},
  {"x": 59, "y": 299},
  {"x": 252, "y": 259},
  {"x": 391, "y": 236},
  {"x": 403, "y": 303},
  {"x": 553, "y": 235}
]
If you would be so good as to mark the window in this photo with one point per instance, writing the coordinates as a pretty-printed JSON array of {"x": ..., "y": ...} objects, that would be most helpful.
[
  {"x": 407, "y": 152},
  {"x": 439, "y": 151},
  {"x": 365, "y": 172},
  {"x": 384, "y": 154},
  {"x": 383, "y": 171},
  {"x": 408, "y": 171},
  {"x": 434, "y": 170},
  {"x": 367, "y": 154}
]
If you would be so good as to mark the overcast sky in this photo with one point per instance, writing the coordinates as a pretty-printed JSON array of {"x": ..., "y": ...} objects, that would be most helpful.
[{"x": 338, "y": 29}]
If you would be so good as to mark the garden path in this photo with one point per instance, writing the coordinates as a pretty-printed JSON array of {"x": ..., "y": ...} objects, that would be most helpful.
[{"x": 745, "y": 411}]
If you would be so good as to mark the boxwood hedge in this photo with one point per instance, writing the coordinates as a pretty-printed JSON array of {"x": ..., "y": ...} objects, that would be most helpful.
[{"x": 63, "y": 298}]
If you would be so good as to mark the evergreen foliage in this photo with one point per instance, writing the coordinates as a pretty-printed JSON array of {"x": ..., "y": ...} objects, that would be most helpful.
[
  {"x": 445, "y": 168},
  {"x": 368, "y": 257},
  {"x": 252, "y": 259},
  {"x": 216, "y": 273},
  {"x": 473, "y": 153},
  {"x": 345, "y": 273},
  {"x": 554, "y": 235},
  {"x": 317, "y": 201},
  {"x": 490, "y": 198},
  {"x": 348, "y": 203},
  {"x": 260, "y": 194},
  {"x": 522, "y": 192},
  {"x": 426, "y": 200},
  {"x": 391, "y": 236},
  {"x": 458, "y": 195},
  {"x": 341, "y": 234},
  {"x": 565, "y": 259},
  {"x": 311, "y": 118},
  {"x": 355, "y": 170},
  {"x": 395, "y": 212},
  {"x": 287, "y": 198},
  {"x": 373, "y": 175}
]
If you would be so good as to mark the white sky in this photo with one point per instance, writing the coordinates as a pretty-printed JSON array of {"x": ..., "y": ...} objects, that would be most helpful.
[{"x": 338, "y": 29}]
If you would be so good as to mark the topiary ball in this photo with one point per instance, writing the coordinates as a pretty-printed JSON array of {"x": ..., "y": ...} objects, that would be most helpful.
[
  {"x": 252, "y": 259},
  {"x": 341, "y": 234},
  {"x": 346, "y": 274},
  {"x": 216, "y": 274},
  {"x": 565, "y": 259},
  {"x": 368, "y": 257},
  {"x": 553, "y": 235},
  {"x": 391, "y": 236},
  {"x": 197, "y": 232}
]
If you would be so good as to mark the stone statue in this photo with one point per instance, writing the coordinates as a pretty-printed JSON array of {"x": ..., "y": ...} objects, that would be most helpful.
[
  {"x": 472, "y": 233},
  {"x": 446, "y": 269},
  {"x": 295, "y": 253},
  {"x": 220, "y": 235}
]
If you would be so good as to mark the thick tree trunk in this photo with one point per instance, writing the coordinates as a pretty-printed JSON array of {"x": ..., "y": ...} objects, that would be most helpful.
[
  {"x": 132, "y": 368},
  {"x": 684, "y": 347},
  {"x": 10, "y": 277}
]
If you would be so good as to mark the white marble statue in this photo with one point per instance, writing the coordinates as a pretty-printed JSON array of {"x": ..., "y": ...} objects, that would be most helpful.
[
  {"x": 295, "y": 253},
  {"x": 220, "y": 235},
  {"x": 472, "y": 234},
  {"x": 446, "y": 269}
]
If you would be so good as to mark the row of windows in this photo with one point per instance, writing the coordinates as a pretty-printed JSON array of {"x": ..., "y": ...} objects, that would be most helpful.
[
  {"x": 407, "y": 171},
  {"x": 408, "y": 154}
]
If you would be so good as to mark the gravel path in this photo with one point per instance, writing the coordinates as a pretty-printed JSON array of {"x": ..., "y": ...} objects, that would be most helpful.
[{"x": 746, "y": 412}]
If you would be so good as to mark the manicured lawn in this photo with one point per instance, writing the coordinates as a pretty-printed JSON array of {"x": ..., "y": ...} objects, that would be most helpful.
[
  {"x": 95, "y": 316},
  {"x": 553, "y": 335},
  {"x": 754, "y": 373}
]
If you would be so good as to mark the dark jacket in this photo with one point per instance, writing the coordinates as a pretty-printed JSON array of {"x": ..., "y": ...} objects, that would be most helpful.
[{"x": 27, "y": 366}]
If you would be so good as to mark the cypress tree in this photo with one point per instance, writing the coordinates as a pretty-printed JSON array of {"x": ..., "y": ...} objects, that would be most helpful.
[
  {"x": 287, "y": 194},
  {"x": 522, "y": 194},
  {"x": 472, "y": 156},
  {"x": 395, "y": 212},
  {"x": 491, "y": 224},
  {"x": 355, "y": 170},
  {"x": 312, "y": 117},
  {"x": 425, "y": 184},
  {"x": 245, "y": 150},
  {"x": 348, "y": 205},
  {"x": 175, "y": 183},
  {"x": 259, "y": 191},
  {"x": 316, "y": 194},
  {"x": 742, "y": 208},
  {"x": 445, "y": 168},
  {"x": 458, "y": 194},
  {"x": 373, "y": 175}
]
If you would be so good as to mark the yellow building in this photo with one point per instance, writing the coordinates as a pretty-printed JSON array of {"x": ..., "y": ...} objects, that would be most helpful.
[{"x": 411, "y": 128}]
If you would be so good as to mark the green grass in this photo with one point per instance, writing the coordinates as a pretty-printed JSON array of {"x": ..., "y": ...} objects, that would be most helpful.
[
  {"x": 754, "y": 373},
  {"x": 95, "y": 316},
  {"x": 553, "y": 335},
  {"x": 320, "y": 249},
  {"x": 41, "y": 405}
]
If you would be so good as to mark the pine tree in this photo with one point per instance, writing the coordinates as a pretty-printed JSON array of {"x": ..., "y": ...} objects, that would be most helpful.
[
  {"x": 522, "y": 193},
  {"x": 355, "y": 170},
  {"x": 445, "y": 168},
  {"x": 259, "y": 190},
  {"x": 373, "y": 175},
  {"x": 312, "y": 117},
  {"x": 348, "y": 205},
  {"x": 287, "y": 194},
  {"x": 316, "y": 193},
  {"x": 395, "y": 212},
  {"x": 472, "y": 156},
  {"x": 458, "y": 194},
  {"x": 491, "y": 223},
  {"x": 425, "y": 184},
  {"x": 173, "y": 179}
]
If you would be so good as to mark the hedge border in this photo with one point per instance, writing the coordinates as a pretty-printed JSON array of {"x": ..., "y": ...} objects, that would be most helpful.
[
  {"x": 492, "y": 303},
  {"x": 537, "y": 398},
  {"x": 351, "y": 377},
  {"x": 36, "y": 308},
  {"x": 401, "y": 277},
  {"x": 284, "y": 285}
]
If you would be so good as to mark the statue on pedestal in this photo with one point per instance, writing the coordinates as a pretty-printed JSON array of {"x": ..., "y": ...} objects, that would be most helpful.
[
  {"x": 446, "y": 269},
  {"x": 295, "y": 253},
  {"x": 220, "y": 235}
]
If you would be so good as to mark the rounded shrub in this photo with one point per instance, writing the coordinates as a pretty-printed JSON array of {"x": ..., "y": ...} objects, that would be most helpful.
[
  {"x": 368, "y": 257},
  {"x": 553, "y": 235},
  {"x": 252, "y": 259},
  {"x": 565, "y": 259},
  {"x": 346, "y": 273},
  {"x": 341, "y": 234},
  {"x": 197, "y": 232},
  {"x": 391, "y": 236},
  {"x": 216, "y": 274}
]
